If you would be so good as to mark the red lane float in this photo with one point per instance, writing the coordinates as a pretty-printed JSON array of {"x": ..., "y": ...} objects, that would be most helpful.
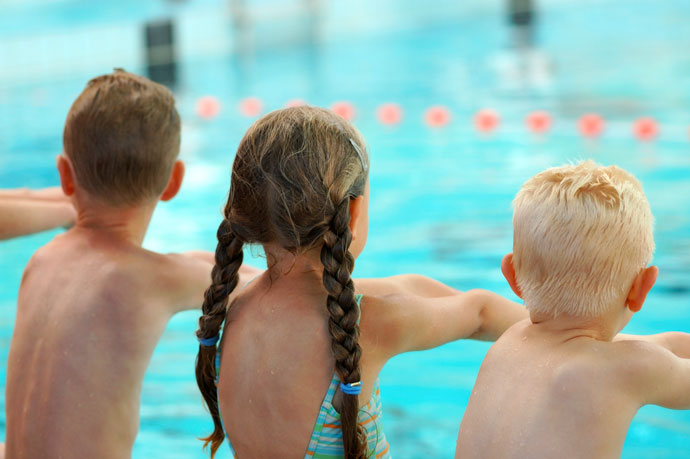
[
  {"x": 590, "y": 125},
  {"x": 645, "y": 129},
  {"x": 486, "y": 120},
  {"x": 251, "y": 107},
  {"x": 538, "y": 122},
  {"x": 389, "y": 114},
  {"x": 344, "y": 109},
  {"x": 207, "y": 107},
  {"x": 437, "y": 116}
]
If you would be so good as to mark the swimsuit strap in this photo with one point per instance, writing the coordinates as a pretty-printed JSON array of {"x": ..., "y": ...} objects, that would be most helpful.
[
  {"x": 358, "y": 300},
  {"x": 326, "y": 406},
  {"x": 217, "y": 361}
]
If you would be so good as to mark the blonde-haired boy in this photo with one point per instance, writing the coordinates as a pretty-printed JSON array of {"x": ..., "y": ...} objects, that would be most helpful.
[{"x": 562, "y": 384}]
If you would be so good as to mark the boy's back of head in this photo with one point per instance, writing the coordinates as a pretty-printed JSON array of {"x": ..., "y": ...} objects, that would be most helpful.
[
  {"x": 581, "y": 234},
  {"x": 122, "y": 137}
]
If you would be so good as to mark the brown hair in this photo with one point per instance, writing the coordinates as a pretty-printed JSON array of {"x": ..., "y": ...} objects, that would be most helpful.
[
  {"x": 292, "y": 180},
  {"x": 122, "y": 136}
]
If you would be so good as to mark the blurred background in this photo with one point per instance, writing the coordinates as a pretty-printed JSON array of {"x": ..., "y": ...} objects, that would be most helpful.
[{"x": 460, "y": 102}]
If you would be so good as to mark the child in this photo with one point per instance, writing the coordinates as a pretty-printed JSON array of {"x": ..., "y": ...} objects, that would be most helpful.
[
  {"x": 562, "y": 384},
  {"x": 299, "y": 344},
  {"x": 93, "y": 303},
  {"x": 24, "y": 211}
]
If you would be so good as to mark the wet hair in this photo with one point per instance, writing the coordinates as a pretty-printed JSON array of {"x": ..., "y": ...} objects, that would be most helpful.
[
  {"x": 581, "y": 235},
  {"x": 122, "y": 136},
  {"x": 292, "y": 180}
]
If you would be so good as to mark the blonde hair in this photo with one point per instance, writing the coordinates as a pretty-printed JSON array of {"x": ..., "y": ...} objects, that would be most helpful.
[{"x": 581, "y": 234}]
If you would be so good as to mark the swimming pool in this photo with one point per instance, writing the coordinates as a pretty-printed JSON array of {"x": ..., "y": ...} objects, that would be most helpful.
[{"x": 440, "y": 198}]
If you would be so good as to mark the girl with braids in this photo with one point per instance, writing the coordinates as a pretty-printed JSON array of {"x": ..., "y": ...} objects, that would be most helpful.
[{"x": 302, "y": 344}]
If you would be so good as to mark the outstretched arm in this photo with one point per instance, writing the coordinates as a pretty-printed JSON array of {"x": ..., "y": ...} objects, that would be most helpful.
[
  {"x": 416, "y": 323},
  {"x": 497, "y": 314},
  {"x": 655, "y": 375},
  {"x": 676, "y": 342},
  {"x": 190, "y": 276},
  {"x": 404, "y": 284},
  {"x": 247, "y": 272},
  {"x": 53, "y": 193},
  {"x": 25, "y": 212}
]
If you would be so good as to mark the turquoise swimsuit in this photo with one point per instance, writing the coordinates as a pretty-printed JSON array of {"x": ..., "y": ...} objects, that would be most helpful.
[{"x": 326, "y": 438}]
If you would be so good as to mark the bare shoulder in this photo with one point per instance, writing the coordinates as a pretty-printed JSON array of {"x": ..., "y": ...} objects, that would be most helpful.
[
  {"x": 182, "y": 278},
  {"x": 170, "y": 281},
  {"x": 378, "y": 324},
  {"x": 401, "y": 322},
  {"x": 653, "y": 374},
  {"x": 516, "y": 333},
  {"x": 622, "y": 362},
  {"x": 47, "y": 258},
  {"x": 385, "y": 310},
  {"x": 179, "y": 279},
  {"x": 636, "y": 357},
  {"x": 415, "y": 284},
  {"x": 174, "y": 267},
  {"x": 70, "y": 274},
  {"x": 40, "y": 257},
  {"x": 377, "y": 310}
]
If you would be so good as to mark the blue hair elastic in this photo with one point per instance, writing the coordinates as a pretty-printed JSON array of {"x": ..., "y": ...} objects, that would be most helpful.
[
  {"x": 208, "y": 342},
  {"x": 354, "y": 388}
]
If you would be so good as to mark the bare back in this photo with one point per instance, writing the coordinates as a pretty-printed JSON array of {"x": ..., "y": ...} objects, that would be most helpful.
[
  {"x": 276, "y": 367},
  {"x": 540, "y": 394},
  {"x": 89, "y": 315}
]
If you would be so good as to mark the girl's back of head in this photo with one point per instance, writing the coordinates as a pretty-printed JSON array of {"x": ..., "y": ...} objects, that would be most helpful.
[
  {"x": 292, "y": 180},
  {"x": 293, "y": 168}
]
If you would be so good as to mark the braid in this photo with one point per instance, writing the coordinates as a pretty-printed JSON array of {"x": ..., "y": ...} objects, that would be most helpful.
[
  {"x": 342, "y": 325},
  {"x": 224, "y": 280}
]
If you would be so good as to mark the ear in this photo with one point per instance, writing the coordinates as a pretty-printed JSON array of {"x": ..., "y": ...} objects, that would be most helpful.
[
  {"x": 640, "y": 287},
  {"x": 174, "y": 182},
  {"x": 356, "y": 205},
  {"x": 64, "y": 168},
  {"x": 508, "y": 271}
]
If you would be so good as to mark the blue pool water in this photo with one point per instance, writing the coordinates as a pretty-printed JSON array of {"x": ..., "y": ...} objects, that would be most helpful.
[{"x": 440, "y": 199}]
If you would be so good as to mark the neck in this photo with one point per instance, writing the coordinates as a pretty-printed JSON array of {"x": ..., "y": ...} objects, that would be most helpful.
[
  {"x": 601, "y": 328},
  {"x": 303, "y": 270},
  {"x": 119, "y": 224}
]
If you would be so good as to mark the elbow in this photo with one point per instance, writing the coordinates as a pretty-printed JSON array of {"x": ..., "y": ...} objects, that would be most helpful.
[{"x": 480, "y": 300}]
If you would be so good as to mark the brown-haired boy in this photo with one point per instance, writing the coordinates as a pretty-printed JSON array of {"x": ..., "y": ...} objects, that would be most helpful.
[
  {"x": 93, "y": 303},
  {"x": 562, "y": 384}
]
